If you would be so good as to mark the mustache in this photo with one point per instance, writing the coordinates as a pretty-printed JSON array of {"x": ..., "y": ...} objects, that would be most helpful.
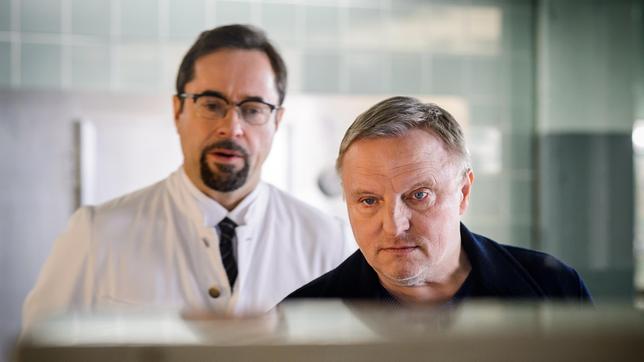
[
  {"x": 400, "y": 241},
  {"x": 225, "y": 144}
]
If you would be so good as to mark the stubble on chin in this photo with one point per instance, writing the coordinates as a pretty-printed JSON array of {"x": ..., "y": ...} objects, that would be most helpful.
[
  {"x": 224, "y": 178},
  {"x": 405, "y": 278}
]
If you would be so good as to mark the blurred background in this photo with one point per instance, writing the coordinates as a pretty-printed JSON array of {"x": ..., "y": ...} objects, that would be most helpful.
[{"x": 550, "y": 92}]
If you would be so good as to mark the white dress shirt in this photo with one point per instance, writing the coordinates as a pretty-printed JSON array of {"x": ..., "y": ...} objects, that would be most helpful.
[{"x": 158, "y": 248}]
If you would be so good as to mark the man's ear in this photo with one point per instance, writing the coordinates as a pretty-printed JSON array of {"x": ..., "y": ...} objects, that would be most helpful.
[
  {"x": 279, "y": 113},
  {"x": 177, "y": 108},
  {"x": 465, "y": 190}
]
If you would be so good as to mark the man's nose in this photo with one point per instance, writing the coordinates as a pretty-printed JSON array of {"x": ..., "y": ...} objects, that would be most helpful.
[
  {"x": 231, "y": 125},
  {"x": 395, "y": 219}
]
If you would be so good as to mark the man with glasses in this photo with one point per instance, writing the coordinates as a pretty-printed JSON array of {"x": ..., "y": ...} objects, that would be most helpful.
[{"x": 211, "y": 237}]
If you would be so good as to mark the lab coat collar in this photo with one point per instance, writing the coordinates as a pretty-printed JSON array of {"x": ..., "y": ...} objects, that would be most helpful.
[{"x": 213, "y": 212}]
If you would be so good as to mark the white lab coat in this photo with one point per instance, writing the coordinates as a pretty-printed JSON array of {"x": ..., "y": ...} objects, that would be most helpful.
[{"x": 154, "y": 248}]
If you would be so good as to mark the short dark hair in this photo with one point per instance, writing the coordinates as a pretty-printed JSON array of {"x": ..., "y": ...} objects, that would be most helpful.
[
  {"x": 395, "y": 116},
  {"x": 234, "y": 36}
]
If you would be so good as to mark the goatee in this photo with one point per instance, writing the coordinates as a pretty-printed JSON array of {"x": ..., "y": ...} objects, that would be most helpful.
[{"x": 225, "y": 178}]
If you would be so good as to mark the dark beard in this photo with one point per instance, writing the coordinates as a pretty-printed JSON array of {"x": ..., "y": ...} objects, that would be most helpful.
[{"x": 226, "y": 179}]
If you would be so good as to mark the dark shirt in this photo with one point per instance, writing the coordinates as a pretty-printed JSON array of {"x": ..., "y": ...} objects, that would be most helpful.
[{"x": 498, "y": 271}]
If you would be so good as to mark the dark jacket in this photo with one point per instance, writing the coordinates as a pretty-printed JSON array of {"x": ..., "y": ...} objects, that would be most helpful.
[{"x": 498, "y": 271}]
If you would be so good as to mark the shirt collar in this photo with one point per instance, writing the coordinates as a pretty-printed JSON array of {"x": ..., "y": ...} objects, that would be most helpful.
[{"x": 212, "y": 211}]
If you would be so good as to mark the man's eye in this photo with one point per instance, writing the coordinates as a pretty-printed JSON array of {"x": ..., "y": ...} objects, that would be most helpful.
[
  {"x": 254, "y": 108},
  {"x": 251, "y": 111},
  {"x": 419, "y": 195},
  {"x": 369, "y": 201},
  {"x": 214, "y": 106}
]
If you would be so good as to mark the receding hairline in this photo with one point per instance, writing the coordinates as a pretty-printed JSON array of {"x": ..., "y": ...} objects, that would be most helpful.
[
  {"x": 454, "y": 154},
  {"x": 395, "y": 116}
]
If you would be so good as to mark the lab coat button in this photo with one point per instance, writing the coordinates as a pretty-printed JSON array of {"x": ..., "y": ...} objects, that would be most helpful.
[{"x": 214, "y": 292}]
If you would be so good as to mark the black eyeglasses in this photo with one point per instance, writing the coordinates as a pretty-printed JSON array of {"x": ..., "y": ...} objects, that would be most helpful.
[{"x": 212, "y": 105}]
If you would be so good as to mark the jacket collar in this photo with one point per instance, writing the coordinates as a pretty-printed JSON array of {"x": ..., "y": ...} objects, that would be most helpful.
[{"x": 497, "y": 272}]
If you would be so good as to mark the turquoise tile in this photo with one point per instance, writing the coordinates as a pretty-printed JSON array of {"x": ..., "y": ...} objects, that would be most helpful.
[
  {"x": 447, "y": 75},
  {"x": 522, "y": 235},
  {"x": 280, "y": 22},
  {"x": 186, "y": 20},
  {"x": 365, "y": 28},
  {"x": 408, "y": 7},
  {"x": 486, "y": 76},
  {"x": 521, "y": 118},
  {"x": 232, "y": 12},
  {"x": 5, "y": 64},
  {"x": 486, "y": 114},
  {"x": 321, "y": 72},
  {"x": 90, "y": 67},
  {"x": 487, "y": 197},
  {"x": 517, "y": 150},
  {"x": 367, "y": 73},
  {"x": 91, "y": 17},
  {"x": 5, "y": 15},
  {"x": 521, "y": 199},
  {"x": 519, "y": 27},
  {"x": 498, "y": 230},
  {"x": 322, "y": 25},
  {"x": 520, "y": 74},
  {"x": 406, "y": 74},
  {"x": 140, "y": 19},
  {"x": 40, "y": 66},
  {"x": 40, "y": 16},
  {"x": 139, "y": 67}
]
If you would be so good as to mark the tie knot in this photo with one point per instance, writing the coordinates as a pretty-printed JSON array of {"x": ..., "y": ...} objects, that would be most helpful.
[{"x": 227, "y": 226}]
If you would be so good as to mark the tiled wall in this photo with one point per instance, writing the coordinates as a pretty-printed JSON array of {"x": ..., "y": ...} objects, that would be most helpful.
[
  {"x": 334, "y": 46},
  {"x": 481, "y": 51},
  {"x": 589, "y": 65}
]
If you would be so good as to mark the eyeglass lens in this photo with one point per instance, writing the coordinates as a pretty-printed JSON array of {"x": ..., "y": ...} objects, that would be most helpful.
[{"x": 216, "y": 108}]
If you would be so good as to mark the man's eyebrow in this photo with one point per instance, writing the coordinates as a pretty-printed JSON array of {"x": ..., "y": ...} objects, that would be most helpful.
[
  {"x": 424, "y": 183},
  {"x": 214, "y": 93},
  {"x": 253, "y": 99},
  {"x": 360, "y": 192}
]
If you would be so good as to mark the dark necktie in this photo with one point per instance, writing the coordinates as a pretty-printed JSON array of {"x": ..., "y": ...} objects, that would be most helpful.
[{"x": 227, "y": 228}]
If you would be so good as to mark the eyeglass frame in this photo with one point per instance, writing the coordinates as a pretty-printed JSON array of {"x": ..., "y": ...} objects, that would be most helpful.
[{"x": 210, "y": 93}]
